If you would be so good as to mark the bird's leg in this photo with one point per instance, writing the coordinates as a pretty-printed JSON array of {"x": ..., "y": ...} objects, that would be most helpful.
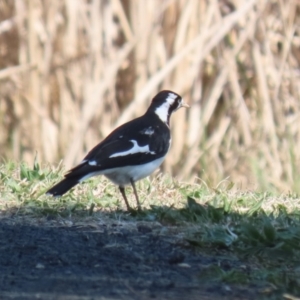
[
  {"x": 122, "y": 190},
  {"x": 136, "y": 194}
]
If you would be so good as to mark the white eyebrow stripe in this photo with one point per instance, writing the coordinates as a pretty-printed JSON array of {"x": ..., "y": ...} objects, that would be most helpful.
[
  {"x": 163, "y": 111},
  {"x": 171, "y": 97},
  {"x": 135, "y": 149}
]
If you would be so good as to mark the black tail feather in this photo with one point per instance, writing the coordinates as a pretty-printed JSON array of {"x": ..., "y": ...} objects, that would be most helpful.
[{"x": 63, "y": 186}]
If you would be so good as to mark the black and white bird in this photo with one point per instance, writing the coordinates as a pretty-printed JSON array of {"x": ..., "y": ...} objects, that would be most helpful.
[{"x": 131, "y": 152}]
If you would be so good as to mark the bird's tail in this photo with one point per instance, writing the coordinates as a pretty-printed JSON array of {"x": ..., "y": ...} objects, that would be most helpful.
[{"x": 63, "y": 186}]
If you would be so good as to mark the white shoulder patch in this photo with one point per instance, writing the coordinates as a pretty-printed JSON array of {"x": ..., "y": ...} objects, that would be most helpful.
[
  {"x": 92, "y": 163},
  {"x": 147, "y": 131}
]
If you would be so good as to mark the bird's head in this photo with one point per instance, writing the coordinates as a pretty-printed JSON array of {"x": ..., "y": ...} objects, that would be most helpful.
[{"x": 165, "y": 103}]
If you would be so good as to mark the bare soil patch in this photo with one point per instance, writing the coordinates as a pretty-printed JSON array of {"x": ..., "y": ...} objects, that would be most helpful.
[{"x": 104, "y": 260}]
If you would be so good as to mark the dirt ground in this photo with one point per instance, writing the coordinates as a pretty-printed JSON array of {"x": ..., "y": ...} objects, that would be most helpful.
[{"x": 104, "y": 260}]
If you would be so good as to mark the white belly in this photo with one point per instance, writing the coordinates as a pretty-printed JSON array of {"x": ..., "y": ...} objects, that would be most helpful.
[{"x": 123, "y": 175}]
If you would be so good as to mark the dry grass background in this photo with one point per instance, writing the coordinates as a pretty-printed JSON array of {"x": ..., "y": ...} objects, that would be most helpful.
[{"x": 72, "y": 70}]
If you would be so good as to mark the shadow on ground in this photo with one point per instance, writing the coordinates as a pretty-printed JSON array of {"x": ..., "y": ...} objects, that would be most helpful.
[{"x": 105, "y": 260}]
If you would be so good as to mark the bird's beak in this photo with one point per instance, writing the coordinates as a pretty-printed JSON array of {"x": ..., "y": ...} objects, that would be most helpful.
[{"x": 183, "y": 104}]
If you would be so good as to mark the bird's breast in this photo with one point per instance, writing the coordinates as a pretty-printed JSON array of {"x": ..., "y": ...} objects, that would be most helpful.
[{"x": 122, "y": 176}]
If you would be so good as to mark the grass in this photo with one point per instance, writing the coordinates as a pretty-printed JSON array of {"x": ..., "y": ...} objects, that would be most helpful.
[{"x": 258, "y": 233}]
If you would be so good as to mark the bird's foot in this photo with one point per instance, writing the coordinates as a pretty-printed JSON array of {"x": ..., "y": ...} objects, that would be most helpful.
[{"x": 134, "y": 211}]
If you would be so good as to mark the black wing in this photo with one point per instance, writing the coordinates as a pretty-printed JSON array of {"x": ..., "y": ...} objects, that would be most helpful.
[
  {"x": 134, "y": 143},
  {"x": 151, "y": 138}
]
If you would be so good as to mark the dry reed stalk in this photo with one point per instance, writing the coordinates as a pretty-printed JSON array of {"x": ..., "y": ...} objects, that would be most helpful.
[{"x": 72, "y": 70}]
